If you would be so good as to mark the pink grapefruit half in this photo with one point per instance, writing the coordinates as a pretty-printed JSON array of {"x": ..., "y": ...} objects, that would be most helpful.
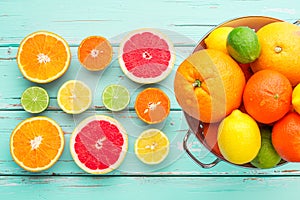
[
  {"x": 146, "y": 56},
  {"x": 99, "y": 144}
]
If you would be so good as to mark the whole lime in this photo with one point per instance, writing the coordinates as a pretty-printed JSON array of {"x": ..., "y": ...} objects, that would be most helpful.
[
  {"x": 243, "y": 45},
  {"x": 267, "y": 156}
]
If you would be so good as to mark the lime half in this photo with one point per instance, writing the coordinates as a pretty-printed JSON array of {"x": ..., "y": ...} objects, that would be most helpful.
[
  {"x": 35, "y": 99},
  {"x": 115, "y": 97}
]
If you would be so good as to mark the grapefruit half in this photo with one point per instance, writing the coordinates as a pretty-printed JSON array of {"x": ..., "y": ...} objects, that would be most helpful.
[
  {"x": 146, "y": 56},
  {"x": 99, "y": 144}
]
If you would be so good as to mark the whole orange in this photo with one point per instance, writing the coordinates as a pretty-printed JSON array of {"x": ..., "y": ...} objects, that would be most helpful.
[
  {"x": 208, "y": 85},
  {"x": 267, "y": 96},
  {"x": 280, "y": 47},
  {"x": 286, "y": 137}
]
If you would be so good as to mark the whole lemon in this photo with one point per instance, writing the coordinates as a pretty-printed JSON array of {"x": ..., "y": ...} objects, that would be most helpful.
[
  {"x": 217, "y": 39},
  {"x": 296, "y": 98},
  {"x": 239, "y": 138}
]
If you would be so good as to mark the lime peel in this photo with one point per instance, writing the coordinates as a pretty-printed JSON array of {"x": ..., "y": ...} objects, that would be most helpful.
[
  {"x": 115, "y": 97},
  {"x": 35, "y": 99}
]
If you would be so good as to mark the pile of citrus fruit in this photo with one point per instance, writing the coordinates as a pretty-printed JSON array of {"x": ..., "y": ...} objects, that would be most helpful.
[
  {"x": 245, "y": 88},
  {"x": 99, "y": 143}
]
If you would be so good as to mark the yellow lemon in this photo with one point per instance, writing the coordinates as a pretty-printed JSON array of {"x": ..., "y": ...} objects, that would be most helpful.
[
  {"x": 217, "y": 39},
  {"x": 74, "y": 97},
  {"x": 296, "y": 98},
  {"x": 152, "y": 146},
  {"x": 239, "y": 138}
]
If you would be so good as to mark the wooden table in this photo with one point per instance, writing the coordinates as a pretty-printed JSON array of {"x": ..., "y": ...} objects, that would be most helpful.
[{"x": 185, "y": 22}]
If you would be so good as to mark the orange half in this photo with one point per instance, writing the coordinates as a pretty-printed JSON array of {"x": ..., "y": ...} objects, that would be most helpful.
[
  {"x": 37, "y": 143},
  {"x": 95, "y": 53},
  {"x": 43, "y": 57},
  {"x": 152, "y": 105}
]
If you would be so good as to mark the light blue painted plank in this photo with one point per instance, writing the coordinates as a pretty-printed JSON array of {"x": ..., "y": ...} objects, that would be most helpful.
[
  {"x": 9, "y": 72},
  {"x": 177, "y": 163},
  {"x": 149, "y": 188},
  {"x": 110, "y": 18},
  {"x": 191, "y": 19}
]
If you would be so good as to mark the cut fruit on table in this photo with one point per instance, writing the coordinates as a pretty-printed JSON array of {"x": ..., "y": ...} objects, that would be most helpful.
[
  {"x": 95, "y": 53},
  {"x": 37, "y": 143},
  {"x": 146, "y": 56},
  {"x": 99, "y": 144},
  {"x": 115, "y": 97},
  {"x": 152, "y": 146},
  {"x": 74, "y": 97},
  {"x": 152, "y": 105},
  {"x": 35, "y": 99},
  {"x": 43, "y": 57}
]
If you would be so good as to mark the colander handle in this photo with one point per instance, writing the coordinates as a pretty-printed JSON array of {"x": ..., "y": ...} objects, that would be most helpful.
[{"x": 203, "y": 165}]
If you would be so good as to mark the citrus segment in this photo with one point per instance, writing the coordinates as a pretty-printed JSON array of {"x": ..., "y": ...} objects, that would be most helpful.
[
  {"x": 43, "y": 57},
  {"x": 35, "y": 99},
  {"x": 146, "y": 56},
  {"x": 95, "y": 53},
  {"x": 152, "y": 146},
  {"x": 152, "y": 105},
  {"x": 279, "y": 50},
  {"x": 74, "y": 97},
  {"x": 115, "y": 97},
  {"x": 99, "y": 144},
  {"x": 239, "y": 138},
  {"x": 36, "y": 143}
]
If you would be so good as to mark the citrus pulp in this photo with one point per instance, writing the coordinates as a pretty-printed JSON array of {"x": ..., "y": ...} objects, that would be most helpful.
[
  {"x": 43, "y": 57},
  {"x": 99, "y": 144},
  {"x": 152, "y": 146},
  {"x": 35, "y": 99},
  {"x": 37, "y": 143},
  {"x": 146, "y": 56}
]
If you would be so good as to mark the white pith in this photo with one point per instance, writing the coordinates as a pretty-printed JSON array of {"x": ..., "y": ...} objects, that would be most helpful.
[
  {"x": 42, "y": 58},
  {"x": 35, "y": 143}
]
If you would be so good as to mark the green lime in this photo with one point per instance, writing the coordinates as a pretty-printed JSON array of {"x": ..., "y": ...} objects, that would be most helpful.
[
  {"x": 267, "y": 156},
  {"x": 115, "y": 97},
  {"x": 35, "y": 99},
  {"x": 243, "y": 45}
]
